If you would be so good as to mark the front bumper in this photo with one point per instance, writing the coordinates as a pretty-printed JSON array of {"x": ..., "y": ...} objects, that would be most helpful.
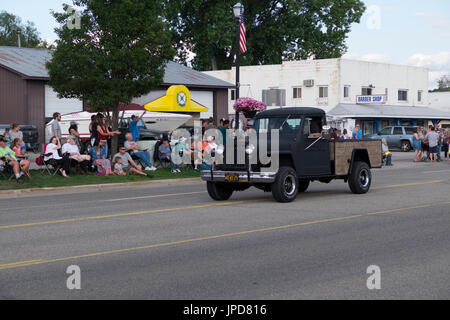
[{"x": 244, "y": 177}]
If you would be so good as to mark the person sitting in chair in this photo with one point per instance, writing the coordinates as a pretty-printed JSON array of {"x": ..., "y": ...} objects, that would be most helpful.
[
  {"x": 135, "y": 150},
  {"x": 7, "y": 157},
  {"x": 52, "y": 156},
  {"x": 71, "y": 149},
  {"x": 165, "y": 154},
  {"x": 98, "y": 154}
]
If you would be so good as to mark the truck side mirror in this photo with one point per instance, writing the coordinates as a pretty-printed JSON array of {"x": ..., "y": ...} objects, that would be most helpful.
[{"x": 326, "y": 132}]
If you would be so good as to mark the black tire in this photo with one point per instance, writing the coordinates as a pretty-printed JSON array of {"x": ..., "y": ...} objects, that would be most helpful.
[
  {"x": 303, "y": 185},
  {"x": 218, "y": 192},
  {"x": 360, "y": 178},
  {"x": 285, "y": 186},
  {"x": 406, "y": 146}
]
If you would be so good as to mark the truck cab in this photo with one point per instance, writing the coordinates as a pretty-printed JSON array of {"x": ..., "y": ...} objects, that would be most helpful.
[{"x": 306, "y": 154}]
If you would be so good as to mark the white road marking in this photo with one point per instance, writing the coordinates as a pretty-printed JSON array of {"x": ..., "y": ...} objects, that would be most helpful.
[
  {"x": 437, "y": 171},
  {"x": 157, "y": 196},
  {"x": 110, "y": 200}
]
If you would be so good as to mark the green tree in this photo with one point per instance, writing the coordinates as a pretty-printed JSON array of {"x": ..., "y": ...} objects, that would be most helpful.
[
  {"x": 119, "y": 52},
  {"x": 11, "y": 25},
  {"x": 444, "y": 83},
  {"x": 276, "y": 30}
]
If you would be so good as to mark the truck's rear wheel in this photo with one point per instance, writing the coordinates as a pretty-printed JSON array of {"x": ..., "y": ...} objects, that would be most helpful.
[
  {"x": 285, "y": 187},
  {"x": 218, "y": 191},
  {"x": 360, "y": 178}
]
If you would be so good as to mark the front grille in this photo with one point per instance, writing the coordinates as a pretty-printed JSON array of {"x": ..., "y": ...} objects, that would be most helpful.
[{"x": 232, "y": 167}]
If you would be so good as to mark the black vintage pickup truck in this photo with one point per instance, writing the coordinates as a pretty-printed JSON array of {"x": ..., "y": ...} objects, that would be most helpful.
[{"x": 305, "y": 154}]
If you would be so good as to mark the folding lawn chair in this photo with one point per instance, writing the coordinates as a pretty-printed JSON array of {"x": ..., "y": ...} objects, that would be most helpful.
[
  {"x": 138, "y": 160},
  {"x": 49, "y": 166},
  {"x": 157, "y": 156}
]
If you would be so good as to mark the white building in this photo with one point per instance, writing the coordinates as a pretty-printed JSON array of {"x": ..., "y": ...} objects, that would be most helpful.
[
  {"x": 440, "y": 101},
  {"x": 373, "y": 94}
]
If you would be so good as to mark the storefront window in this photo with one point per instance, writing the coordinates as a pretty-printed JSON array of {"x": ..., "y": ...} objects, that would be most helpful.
[{"x": 368, "y": 127}]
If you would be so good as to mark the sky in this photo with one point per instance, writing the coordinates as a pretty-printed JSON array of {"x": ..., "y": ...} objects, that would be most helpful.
[{"x": 411, "y": 32}]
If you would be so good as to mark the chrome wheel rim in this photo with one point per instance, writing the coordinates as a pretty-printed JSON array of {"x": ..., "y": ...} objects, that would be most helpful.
[
  {"x": 405, "y": 146},
  {"x": 364, "y": 178},
  {"x": 290, "y": 185}
]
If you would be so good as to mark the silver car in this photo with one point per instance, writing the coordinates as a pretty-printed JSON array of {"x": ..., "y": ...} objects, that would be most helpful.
[{"x": 398, "y": 137}]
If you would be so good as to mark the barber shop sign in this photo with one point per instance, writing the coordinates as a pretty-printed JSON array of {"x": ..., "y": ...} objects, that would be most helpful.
[{"x": 373, "y": 99}]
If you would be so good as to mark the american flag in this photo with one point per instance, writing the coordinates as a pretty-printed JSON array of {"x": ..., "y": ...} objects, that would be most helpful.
[{"x": 243, "y": 41}]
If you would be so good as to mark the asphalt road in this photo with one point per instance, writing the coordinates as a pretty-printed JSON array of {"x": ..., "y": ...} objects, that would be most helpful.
[{"x": 175, "y": 243}]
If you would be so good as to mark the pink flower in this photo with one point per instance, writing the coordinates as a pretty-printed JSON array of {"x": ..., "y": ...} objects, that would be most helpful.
[{"x": 249, "y": 104}]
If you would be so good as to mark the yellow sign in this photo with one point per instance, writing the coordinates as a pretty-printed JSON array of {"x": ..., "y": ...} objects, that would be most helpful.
[{"x": 177, "y": 99}]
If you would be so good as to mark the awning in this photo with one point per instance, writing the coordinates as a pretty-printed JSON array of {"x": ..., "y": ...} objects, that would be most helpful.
[
  {"x": 356, "y": 111},
  {"x": 177, "y": 99}
]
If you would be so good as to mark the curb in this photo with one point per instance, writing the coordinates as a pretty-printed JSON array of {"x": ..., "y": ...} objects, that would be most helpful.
[{"x": 96, "y": 187}]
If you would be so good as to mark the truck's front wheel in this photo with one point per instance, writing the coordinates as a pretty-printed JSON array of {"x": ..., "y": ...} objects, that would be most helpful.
[
  {"x": 285, "y": 187},
  {"x": 361, "y": 178},
  {"x": 218, "y": 191}
]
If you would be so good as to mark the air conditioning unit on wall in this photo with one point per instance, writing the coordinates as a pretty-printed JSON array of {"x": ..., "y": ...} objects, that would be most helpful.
[{"x": 308, "y": 83}]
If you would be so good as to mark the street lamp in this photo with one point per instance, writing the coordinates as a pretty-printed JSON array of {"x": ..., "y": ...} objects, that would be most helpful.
[{"x": 238, "y": 10}]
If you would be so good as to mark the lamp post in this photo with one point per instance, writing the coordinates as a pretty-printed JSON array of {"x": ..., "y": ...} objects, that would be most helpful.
[{"x": 238, "y": 9}]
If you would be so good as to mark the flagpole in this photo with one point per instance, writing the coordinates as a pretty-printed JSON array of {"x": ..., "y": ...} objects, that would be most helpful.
[{"x": 238, "y": 58}]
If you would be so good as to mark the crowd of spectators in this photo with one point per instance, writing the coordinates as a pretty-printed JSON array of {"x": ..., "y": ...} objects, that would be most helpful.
[
  {"x": 429, "y": 145},
  {"x": 70, "y": 155}
]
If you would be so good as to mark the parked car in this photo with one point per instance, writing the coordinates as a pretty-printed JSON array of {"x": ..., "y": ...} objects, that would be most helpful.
[
  {"x": 30, "y": 135},
  {"x": 145, "y": 134},
  {"x": 398, "y": 137}
]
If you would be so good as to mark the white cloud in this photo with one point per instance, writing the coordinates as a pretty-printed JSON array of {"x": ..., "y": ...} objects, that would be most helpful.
[
  {"x": 371, "y": 57},
  {"x": 438, "y": 65},
  {"x": 437, "y": 61}
]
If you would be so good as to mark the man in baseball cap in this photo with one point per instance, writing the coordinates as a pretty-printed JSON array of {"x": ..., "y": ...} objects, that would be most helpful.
[{"x": 134, "y": 126}]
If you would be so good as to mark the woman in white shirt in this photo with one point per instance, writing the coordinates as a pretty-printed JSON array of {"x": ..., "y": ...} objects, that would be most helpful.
[
  {"x": 52, "y": 156},
  {"x": 71, "y": 150}
]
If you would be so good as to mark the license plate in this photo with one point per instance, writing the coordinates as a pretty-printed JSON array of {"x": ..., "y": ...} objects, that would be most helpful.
[{"x": 232, "y": 178}]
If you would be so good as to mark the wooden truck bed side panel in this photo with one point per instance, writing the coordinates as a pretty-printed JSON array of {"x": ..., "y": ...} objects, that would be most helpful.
[
  {"x": 332, "y": 150},
  {"x": 343, "y": 151}
]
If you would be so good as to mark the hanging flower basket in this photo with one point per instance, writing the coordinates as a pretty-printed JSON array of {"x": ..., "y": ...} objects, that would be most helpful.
[{"x": 249, "y": 107}]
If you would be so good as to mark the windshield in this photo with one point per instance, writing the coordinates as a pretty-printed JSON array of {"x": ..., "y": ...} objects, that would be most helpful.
[{"x": 286, "y": 125}]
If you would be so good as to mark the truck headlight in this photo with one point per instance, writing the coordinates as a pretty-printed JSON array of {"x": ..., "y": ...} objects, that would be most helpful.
[
  {"x": 250, "y": 149},
  {"x": 220, "y": 150}
]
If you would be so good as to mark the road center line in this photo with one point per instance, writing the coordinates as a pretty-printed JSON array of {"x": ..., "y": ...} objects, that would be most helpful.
[
  {"x": 221, "y": 236},
  {"x": 124, "y": 214},
  {"x": 32, "y": 224},
  {"x": 408, "y": 184},
  {"x": 437, "y": 171}
]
